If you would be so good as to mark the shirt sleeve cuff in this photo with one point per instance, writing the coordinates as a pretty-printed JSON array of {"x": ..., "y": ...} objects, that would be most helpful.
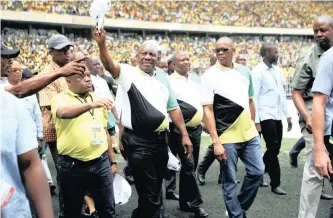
[
  {"x": 207, "y": 103},
  {"x": 172, "y": 108},
  {"x": 323, "y": 91}
]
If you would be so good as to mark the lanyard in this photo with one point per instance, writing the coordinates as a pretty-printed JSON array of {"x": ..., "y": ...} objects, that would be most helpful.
[{"x": 85, "y": 101}]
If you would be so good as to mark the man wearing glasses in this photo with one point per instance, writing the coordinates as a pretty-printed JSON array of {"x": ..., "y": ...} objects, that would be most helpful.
[
  {"x": 60, "y": 51},
  {"x": 228, "y": 94}
]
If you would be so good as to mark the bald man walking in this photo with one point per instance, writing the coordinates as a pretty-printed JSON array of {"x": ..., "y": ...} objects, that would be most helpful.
[{"x": 228, "y": 94}]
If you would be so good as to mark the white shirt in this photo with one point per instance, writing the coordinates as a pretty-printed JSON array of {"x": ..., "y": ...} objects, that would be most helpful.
[
  {"x": 189, "y": 97},
  {"x": 17, "y": 137},
  {"x": 269, "y": 95},
  {"x": 102, "y": 90},
  {"x": 32, "y": 106},
  {"x": 145, "y": 99}
]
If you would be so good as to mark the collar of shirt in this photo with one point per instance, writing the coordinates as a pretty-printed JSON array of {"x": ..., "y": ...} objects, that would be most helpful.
[
  {"x": 319, "y": 51},
  {"x": 224, "y": 68},
  {"x": 70, "y": 93},
  {"x": 55, "y": 66},
  {"x": 144, "y": 73},
  {"x": 179, "y": 76},
  {"x": 264, "y": 66}
]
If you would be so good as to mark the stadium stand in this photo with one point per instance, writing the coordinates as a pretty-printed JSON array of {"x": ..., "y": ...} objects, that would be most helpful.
[{"x": 285, "y": 14}]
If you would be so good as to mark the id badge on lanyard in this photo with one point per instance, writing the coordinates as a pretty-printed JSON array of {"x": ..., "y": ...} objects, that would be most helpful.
[
  {"x": 97, "y": 131},
  {"x": 97, "y": 135}
]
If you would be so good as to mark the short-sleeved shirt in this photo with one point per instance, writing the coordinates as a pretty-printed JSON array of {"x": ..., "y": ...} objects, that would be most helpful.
[
  {"x": 74, "y": 136},
  {"x": 229, "y": 91},
  {"x": 188, "y": 94},
  {"x": 145, "y": 99},
  {"x": 306, "y": 71},
  {"x": 324, "y": 84},
  {"x": 18, "y": 136}
]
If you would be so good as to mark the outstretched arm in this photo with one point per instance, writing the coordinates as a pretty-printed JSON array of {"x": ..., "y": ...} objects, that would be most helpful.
[
  {"x": 110, "y": 65},
  {"x": 37, "y": 83}
]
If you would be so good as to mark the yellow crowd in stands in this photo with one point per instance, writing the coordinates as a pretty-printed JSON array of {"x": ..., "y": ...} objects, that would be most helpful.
[
  {"x": 34, "y": 53},
  {"x": 286, "y": 14}
]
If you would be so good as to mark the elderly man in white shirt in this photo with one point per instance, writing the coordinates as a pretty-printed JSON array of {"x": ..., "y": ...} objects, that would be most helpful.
[
  {"x": 271, "y": 104},
  {"x": 32, "y": 106}
]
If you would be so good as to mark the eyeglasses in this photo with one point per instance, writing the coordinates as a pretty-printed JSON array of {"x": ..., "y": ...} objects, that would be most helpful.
[
  {"x": 224, "y": 50},
  {"x": 64, "y": 49}
]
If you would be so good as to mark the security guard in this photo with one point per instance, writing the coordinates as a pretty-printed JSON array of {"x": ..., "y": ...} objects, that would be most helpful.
[{"x": 306, "y": 71}]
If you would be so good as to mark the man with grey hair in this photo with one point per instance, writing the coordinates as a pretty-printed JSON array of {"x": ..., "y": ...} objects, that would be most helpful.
[
  {"x": 306, "y": 72},
  {"x": 147, "y": 99},
  {"x": 241, "y": 59}
]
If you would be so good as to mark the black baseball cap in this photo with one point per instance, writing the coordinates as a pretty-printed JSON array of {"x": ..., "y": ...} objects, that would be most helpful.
[{"x": 8, "y": 53}]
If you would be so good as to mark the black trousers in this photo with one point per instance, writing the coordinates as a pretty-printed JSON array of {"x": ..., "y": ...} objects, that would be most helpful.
[
  {"x": 189, "y": 193},
  {"x": 298, "y": 147},
  {"x": 77, "y": 177},
  {"x": 207, "y": 161},
  {"x": 148, "y": 158},
  {"x": 272, "y": 131},
  {"x": 54, "y": 153}
]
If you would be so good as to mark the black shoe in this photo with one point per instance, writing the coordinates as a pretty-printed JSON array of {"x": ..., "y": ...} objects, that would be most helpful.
[
  {"x": 128, "y": 175},
  {"x": 185, "y": 208},
  {"x": 325, "y": 196},
  {"x": 88, "y": 214},
  {"x": 279, "y": 191},
  {"x": 172, "y": 196},
  {"x": 293, "y": 160},
  {"x": 200, "y": 213},
  {"x": 201, "y": 178},
  {"x": 52, "y": 189}
]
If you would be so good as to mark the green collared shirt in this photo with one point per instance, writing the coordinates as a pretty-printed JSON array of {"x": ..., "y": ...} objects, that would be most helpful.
[{"x": 306, "y": 71}]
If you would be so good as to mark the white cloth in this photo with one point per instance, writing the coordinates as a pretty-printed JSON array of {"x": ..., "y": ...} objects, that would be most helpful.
[
  {"x": 98, "y": 10},
  {"x": 269, "y": 96},
  {"x": 173, "y": 162},
  {"x": 17, "y": 137},
  {"x": 122, "y": 190}
]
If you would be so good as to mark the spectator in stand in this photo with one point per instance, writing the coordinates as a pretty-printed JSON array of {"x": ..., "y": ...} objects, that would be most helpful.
[{"x": 283, "y": 14}]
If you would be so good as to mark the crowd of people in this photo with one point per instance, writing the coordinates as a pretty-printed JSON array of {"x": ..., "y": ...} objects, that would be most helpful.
[
  {"x": 199, "y": 48},
  {"x": 284, "y": 14}
]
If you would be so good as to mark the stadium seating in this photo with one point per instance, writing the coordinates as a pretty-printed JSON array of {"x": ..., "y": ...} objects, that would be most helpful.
[
  {"x": 286, "y": 14},
  {"x": 34, "y": 51}
]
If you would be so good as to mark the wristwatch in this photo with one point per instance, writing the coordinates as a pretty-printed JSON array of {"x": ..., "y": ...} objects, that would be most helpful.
[{"x": 113, "y": 162}]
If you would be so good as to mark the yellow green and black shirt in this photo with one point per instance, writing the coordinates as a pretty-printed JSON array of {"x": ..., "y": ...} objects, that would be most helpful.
[
  {"x": 229, "y": 91},
  {"x": 188, "y": 93}
]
